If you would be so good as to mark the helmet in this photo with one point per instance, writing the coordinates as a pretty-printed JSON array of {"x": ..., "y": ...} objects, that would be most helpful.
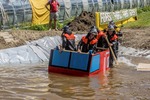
[
  {"x": 65, "y": 28},
  {"x": 93, "y": 31},
  {"x": 95, "y": 28},
  {"x": 111, "y": 22},
  {"x": 111, "y": 28}
]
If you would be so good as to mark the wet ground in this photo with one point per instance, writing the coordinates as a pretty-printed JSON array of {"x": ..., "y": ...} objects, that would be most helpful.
[{"x": 34, "y": 83}]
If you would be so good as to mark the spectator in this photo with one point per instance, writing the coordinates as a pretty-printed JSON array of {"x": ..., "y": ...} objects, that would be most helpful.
[{"x": 54, "y": 5}]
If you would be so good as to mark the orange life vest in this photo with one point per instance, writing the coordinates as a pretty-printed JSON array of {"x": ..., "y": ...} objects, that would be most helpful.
[
  {"x": 99, "y": 35},
  {"x": 69, "y": 37},
  {"x": 85, "y": 40},
  {"x": 115, "y": 37}
]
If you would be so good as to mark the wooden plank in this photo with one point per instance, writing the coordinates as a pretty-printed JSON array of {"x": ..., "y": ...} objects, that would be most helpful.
[
  {"x": 76, "y": 51},
  {"x": 143, "y": 67}
]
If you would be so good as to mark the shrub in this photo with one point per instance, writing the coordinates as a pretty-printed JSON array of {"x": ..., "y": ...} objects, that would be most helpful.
[{"x": 144, "y": 9}]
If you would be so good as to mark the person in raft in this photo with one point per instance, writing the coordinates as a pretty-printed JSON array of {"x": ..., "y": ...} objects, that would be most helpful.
[
  {"x": 68, "y": 40},
  {"x": 88, "y": 42},
  {"x": 113, "y": 40},
  {"x": 54, "y": 5},
  {"x": 100, "y": 37},
  {"x": 117, "y": 29}
]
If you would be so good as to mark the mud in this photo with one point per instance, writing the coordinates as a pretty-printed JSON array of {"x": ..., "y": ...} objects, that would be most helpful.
[
  {"x": 136, "y": 38},
  {"x": 20, "y": 37},
  {"x": 83, "y": 22}
]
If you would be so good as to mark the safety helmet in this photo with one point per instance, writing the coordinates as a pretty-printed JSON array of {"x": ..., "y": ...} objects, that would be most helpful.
[
  {"x": 93, "y": 31},
  {"x": 65, "y": 28},
  {"x": 111, "y": 22},
  {"x": 95, "y": 28},
  {"x": 111, "y": 28}
]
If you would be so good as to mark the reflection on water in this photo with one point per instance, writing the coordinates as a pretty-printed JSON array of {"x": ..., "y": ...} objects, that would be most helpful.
[
  {"x": 22, "y": 82},
  {"x": 77, "y": 87},
  {"x": 34, "y": 83},
  {"x": 85, "y": 88}
]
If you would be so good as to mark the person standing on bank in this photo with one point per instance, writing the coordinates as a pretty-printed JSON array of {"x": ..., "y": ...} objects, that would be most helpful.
[{"x": 54, "y": 5}]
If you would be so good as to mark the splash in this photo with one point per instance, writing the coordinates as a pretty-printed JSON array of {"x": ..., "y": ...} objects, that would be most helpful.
[
  {"x": 134, "y": 52},
  {"x": 126, "y": 61}
]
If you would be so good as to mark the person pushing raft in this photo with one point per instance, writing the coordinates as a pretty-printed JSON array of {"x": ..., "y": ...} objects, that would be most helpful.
[{"x": 113, "y": 43}]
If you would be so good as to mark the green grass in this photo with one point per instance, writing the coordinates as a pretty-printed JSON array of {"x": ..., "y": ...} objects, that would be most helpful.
[
  {"x": 60, "y": 25},
  {"x": 42, "y": 27},
  {"x": 143, "y": 19}
]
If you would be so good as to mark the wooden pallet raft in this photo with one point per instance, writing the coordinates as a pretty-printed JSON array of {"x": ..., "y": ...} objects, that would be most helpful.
[{"x": 143, "y": 67}]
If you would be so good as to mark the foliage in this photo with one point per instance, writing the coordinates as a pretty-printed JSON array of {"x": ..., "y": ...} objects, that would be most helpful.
[
  {"x": 60, "y": 25},
  {"x": 65, "y": 22},
  {"x": 143, "y": 19},
  {"x": 144, "y": 9},
  {"x": 39, "y": 27}
]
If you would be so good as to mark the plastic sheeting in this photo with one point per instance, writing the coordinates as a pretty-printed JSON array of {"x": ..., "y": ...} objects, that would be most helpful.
[
  {"x": 23, "y": 54},
  {"x": 67, "y": 4},
  {"x": 34, "y": 52},
  {"x": 14, "y": 12}
]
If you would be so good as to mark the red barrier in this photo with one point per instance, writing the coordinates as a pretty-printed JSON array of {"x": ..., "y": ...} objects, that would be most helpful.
[
  {"x": 67, "y": 71},
  {"x": 104, "y": 60}
]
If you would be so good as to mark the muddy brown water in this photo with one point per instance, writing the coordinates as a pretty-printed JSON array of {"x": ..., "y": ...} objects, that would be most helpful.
[{"x": 34, "y": 83}]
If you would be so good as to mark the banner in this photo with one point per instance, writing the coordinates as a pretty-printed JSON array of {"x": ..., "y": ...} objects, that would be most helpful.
[
  {"x": 119, "y": 17},
  {"x": 40, "y": 15}
]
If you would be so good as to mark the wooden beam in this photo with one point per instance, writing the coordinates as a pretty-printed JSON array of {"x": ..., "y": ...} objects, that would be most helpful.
[{"x": 143, "y": 67}]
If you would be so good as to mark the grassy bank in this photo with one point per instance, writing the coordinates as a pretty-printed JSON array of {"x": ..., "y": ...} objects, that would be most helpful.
[
  {"x": 60, "y": 25},
  {"x": 143, "y": 19}
]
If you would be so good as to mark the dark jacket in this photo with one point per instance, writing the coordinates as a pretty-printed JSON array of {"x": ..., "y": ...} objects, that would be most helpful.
[
  {"x": 85, "y": 44},
  {"x": 68, "y": 41},
  {"x": 113, "y": 39}
]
